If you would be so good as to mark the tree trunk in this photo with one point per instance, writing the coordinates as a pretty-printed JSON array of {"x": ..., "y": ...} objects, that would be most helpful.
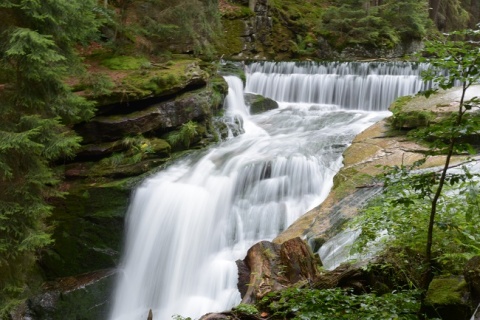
[{"x": 433, "y": 10}]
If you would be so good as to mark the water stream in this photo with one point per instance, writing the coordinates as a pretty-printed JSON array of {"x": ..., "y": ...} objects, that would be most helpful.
[{"x": 187, "y": 225}]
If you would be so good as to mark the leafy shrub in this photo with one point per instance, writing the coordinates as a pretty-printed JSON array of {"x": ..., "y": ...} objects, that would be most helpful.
[
  {"x": 246, "y": 309},
  {"x": 402, "y": 211},
  {"x": 312, "y": 304}
]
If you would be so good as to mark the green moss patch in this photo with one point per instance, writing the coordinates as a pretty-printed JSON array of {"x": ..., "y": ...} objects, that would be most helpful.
[
  {"x": 125, "y": 63},
  {"x": 446, "y": 291}
]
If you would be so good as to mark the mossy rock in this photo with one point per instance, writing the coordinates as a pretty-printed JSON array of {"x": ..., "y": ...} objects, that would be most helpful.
[
  {"x": 125, "y": 63},
  {"x": 167, "y": 115},
  {"x": 231, "y": 68},
  {"x": 89, "y": 227},
  {"x": 146, "y": 80},
  {"x": 448, "y": 298},
  {"x": 404, "y": 118},
  {"x": 160, "y": 147},
  {"x": 232, "y": 41},
  {"x": 259, "y": 104},
  {"x": 86, "y": 296}
]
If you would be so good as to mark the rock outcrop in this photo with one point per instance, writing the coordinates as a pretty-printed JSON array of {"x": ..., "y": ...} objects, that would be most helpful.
[{"x": 82, "y": 297}]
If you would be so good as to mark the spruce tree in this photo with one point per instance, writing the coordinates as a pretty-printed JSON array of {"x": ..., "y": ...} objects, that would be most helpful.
[{"x": 37, "y": 110}]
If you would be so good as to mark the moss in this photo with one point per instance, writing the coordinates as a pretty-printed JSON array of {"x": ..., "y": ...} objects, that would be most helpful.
[
  {"x": 399, "y": 104},
  {"x": 158, "y": 79},
  {"x": 237, "y": 12},
  {"x": 231, "y": 43},
  {"x": 233, "y": 69},
  {"x": 412, "y": 119},
  {"x": 347, "y": 180},
  {"x": 88, "y": 230},
  {"x": 445, "y": 291},
  {"x": 404, "y": 117},
  {"x": 125, "y": 63}
]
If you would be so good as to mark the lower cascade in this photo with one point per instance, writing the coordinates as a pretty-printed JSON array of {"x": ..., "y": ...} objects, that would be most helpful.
[{"x": 187, "y": 225}]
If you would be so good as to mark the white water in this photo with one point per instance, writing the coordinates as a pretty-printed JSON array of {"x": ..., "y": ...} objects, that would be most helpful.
[
  {"x": 350, "y": 85},
  {"x": 188, "y": 224}
]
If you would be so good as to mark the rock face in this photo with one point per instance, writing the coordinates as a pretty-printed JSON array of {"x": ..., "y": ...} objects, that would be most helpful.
[
  {"x": 260, "y": 31},
  {"x": 254, "y": 35},
  {"x": 270, "y": 267},
  {"x": 89, "y": 230},
  {"x": 82, "y": 297},
  {"x": 164, "y": 116}
]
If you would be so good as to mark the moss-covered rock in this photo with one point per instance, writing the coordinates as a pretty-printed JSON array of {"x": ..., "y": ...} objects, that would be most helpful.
[
  {"x": 411, "y": 119},
  {"x": 163, "y": 116},
  {"x": 89, "y": 225},
  {"x": 99, "y": 150},
  {"x": 231, "y": 68},
  {"x": 259, "y": 104},
  {"x": 447, "y": 298},
  {"x": 83, "y": 297},
  {"x": 135, "y": 79}
]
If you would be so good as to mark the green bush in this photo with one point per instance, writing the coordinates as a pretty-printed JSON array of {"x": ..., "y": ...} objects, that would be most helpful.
[{"x": 313, "y": 304}]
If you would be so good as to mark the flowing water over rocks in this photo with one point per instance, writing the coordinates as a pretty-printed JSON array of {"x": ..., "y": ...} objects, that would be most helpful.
[{"x": 189, "y": 224}]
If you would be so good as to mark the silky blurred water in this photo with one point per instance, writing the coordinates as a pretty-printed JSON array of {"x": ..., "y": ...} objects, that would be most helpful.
[{"x": 187, "y": 225}]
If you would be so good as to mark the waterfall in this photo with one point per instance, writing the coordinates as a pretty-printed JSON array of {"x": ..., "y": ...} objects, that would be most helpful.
[
  {"x": 187, "y": 225},
  {"x": 369, "y": 86}
]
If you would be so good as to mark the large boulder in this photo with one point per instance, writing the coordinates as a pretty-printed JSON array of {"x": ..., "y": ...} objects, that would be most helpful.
[
  {"x": 259, "y": 103},
  {"x": 447, "y": 298}
]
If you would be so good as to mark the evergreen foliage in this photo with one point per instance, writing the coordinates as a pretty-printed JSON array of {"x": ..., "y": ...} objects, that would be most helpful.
[
  {"x": 37, "y": 51},
  {"x": 385, "y": 24},
  {"x": 159, "y": 24}
]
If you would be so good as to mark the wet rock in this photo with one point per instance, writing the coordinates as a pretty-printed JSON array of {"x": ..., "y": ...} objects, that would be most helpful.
[
  {"x": 259, "y": 104},
  {"x": 82, "y": 297},
  {"x": 100, "y": 150},
  {"x": 271, "y": 267}
]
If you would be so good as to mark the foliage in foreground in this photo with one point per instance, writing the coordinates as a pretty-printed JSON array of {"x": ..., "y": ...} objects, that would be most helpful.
[
  {"x": 437, "y": 210},
  {"x": 312, "y": 304},
  {"x": 402, "y": 212}
]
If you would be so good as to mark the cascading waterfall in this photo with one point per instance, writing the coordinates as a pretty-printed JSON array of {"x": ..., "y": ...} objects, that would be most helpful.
[
  {"x": 188, "y": 225},
  {"x": 350, "y": 85}
]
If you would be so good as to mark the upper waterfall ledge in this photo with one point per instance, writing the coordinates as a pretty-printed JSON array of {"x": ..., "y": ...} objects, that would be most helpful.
[{"x": 375, "y": 147}]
